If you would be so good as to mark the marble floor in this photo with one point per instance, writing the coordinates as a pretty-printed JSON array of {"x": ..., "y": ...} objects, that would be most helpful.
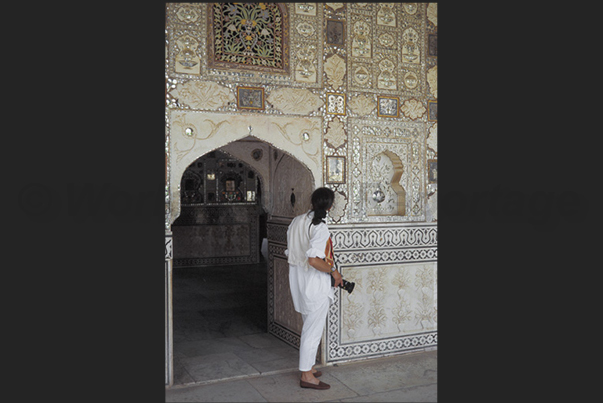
[{"x": 220, "y": 325}]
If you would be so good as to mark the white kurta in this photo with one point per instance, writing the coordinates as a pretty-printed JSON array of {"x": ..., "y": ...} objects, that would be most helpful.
[{"x": 309, "y": 287}]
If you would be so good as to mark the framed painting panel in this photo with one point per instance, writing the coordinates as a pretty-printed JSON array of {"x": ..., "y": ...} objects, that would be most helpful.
[
  {"x": 250, "y": 98},
  {"x": 388, "y": 107},
  {"x": 432, "y": 166},
  {"x": 432, "y": 111},
  {"x": 335, "y": 169}
]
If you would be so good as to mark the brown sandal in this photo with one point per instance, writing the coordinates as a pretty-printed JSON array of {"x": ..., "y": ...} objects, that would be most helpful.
[{"x": 321, "y": 385}]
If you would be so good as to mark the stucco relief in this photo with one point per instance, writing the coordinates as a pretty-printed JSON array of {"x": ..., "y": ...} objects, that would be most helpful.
[
  {"x": 305, "y": 69},
  {"x": 203, "y": 94},
  {"x": 413, "y": 109},
  {"x": 362, "y": 105},
  {"x": 336, "y": 134},
  {"x": 392, "y": 300},
  {"x": 295, "y": 101},
  {"x": 335, "y": 69},
  {"x": 187, "y": 60},
  {"x": 432, "y": 80}
]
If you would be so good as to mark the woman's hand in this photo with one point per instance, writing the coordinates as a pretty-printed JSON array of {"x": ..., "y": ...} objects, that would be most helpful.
[{"x": 338, "y": 278}]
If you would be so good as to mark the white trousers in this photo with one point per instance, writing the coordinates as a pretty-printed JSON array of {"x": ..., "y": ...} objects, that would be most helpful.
[{"x": 314, "y": 324}]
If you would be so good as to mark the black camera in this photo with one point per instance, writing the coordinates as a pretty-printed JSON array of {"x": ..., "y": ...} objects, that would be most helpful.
[{"x": 346, "y": 285}]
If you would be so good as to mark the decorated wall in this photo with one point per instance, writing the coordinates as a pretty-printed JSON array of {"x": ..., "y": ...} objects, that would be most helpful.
[{"x": 350, "y": 91}]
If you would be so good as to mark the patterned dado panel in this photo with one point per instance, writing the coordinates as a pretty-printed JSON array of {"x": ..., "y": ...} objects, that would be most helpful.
[
  {"x": 393, "y": 307},
  {"x": 216, "y": 235}
]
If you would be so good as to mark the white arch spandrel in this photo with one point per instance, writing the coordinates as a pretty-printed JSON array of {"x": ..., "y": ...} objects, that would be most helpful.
[{"x": 194, "y": 133}]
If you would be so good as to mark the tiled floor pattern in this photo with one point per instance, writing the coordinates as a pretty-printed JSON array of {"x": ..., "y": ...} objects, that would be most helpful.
[{"x": 220, "y": 325}]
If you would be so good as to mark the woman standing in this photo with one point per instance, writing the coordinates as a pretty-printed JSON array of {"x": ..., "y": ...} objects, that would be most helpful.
[{"x": 310, "y": 258}]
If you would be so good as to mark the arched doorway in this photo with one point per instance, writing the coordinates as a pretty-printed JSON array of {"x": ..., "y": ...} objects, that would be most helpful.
[{"x": 228, "y": 296}]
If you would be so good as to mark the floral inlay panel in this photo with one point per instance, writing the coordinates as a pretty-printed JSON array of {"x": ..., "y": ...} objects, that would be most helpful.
[
  {"x": 388, "y": 302},
  {"x": 249, "y": 35}
]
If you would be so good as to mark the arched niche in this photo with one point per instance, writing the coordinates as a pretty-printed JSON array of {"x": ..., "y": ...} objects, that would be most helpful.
[
  {"x": 386, "y": 196},
  {"x": 193, "y": 134}
]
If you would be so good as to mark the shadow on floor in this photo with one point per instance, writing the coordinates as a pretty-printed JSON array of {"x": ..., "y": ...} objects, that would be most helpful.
[{"x": 220, "y": 325}]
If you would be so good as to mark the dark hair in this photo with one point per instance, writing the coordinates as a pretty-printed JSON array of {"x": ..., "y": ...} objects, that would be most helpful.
[{"x": 322, "y": 200}]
